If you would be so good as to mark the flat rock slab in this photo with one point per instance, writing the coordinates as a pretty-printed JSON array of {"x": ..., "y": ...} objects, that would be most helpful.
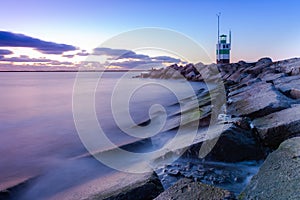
[
  {"x": 138, "y": 186},
  {"x": 279, "y": 176},
  {"x": 276, "y": 127},
  {"x": 290, "y": 66},
  {"x": 289, "y": 85},
  {"x": 117, "y": 186},
  {"x": 187, "y": 189},
  {"x": 256, "y": 100}
]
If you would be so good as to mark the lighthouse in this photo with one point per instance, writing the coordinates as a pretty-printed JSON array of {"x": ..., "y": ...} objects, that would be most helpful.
[{"x": 223, "y": 47}]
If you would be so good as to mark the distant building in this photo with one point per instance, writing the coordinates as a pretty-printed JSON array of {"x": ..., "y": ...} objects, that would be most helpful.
[{"x": 223, "y": 48}]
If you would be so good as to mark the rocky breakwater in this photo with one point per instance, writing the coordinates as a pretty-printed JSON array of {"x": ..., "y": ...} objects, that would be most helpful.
[
  {"x": 265, "y": 92},
  {"x": 265, "y": 97}
]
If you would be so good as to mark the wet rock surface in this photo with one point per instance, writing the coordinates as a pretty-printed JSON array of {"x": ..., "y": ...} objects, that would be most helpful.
[
  {"x": 235, "y": 145},
  {"x": 188, "y": 189},
  {"x": 229, "y": 176},
  {"x": 255, "y": 100},
  {"x": 279, "y": 176},
  {"x": 278, "y": 126},
  {"x": 145, "y": 190}
]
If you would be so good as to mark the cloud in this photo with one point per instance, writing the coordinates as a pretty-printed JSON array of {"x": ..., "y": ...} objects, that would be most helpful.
[
  {"x": 24, "y": 58},
  {"x": 133, "y": 60},
  {"x": 133, "y": 55},
  {"x": 9, "y": 39},
  {"x": 68, "y": 56},
  {"x": 166, "y": 59},
  {"x": 36, "y": 67},
  {"x": 108, "y": 51},
  {"x": 56, "y": 62},
  {"x": 118, "y": 53},
  {"x": 82, "y": 53},
  {"x": 5, "y": 52}
]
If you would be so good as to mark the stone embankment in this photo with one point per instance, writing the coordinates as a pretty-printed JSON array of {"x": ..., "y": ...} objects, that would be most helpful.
[{"x": 263, "y": 100}]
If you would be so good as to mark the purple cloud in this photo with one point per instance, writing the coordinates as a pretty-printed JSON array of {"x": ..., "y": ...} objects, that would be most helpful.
[
  {"x": 82, "y": 53},
  {"x": 118, "y": 53},
  {"x": 108, "y": 51},
  {"x": 9, "y": 39},
  {"x": 24, "y": 58},
  {"x": 4, "y": 52},
  {"x": 166, "y": 59},
  {"x": 68, "y": 56}
]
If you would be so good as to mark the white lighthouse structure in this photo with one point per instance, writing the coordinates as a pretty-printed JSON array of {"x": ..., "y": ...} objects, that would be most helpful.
[{"x": 223, "y": 47}]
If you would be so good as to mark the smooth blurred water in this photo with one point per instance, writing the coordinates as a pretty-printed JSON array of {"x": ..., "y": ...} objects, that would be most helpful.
[{"x": 37, "y": 131}]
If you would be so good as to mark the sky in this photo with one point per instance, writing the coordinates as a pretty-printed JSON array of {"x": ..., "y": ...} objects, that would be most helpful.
[{"x": 62, "y": 34}]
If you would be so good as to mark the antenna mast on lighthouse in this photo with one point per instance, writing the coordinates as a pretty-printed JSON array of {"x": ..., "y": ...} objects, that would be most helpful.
[{"x": 218, "y": 45}]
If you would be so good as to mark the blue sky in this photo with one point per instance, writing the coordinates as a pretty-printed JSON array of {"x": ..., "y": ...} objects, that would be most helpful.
[{"x": 259, "y": 28}]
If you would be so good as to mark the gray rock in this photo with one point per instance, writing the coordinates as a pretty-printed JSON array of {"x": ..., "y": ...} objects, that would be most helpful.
[
  {"x": 187, "y": 189},
  {"x": 190, "y": 75},
  {"x": 264, "y": 61},
  {"x": 145, "y": 187},
  {"x": 276, "y": 127},
  {"x": 261, "y": 65},
  {"x": 236, "y": 76},
  {"x": 290, "y": 66},
  {"x": 279, "y": 176},
  {"x": 155, "y": 73},
  {"x": 235, "y": 145},
  {"x": 271, "y": 76},
  {"x": 189, "y": 68},
  {"x": 256, "y": 100},
  {"x": 169, "y": 73},
  {"x": 289, "y": 85},
  {"x": 177, "y": 75},
  {"x": 295, "y": 93}
]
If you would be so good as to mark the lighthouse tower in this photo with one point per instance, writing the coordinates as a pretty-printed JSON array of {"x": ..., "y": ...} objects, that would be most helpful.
[{"x": 223, "y": 47}]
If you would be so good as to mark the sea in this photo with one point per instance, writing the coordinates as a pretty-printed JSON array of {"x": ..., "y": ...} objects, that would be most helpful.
[{"x": 40, "y": 140}]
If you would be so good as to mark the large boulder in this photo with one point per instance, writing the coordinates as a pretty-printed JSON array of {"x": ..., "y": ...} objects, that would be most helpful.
[
  {"x": 177, "y": 75},
  {"x": 168, "y": 73},
  {"x": 235, "y": 145},
  {"x": 236, "y": 76},
  {"x": 289, "y": 85},
  {"x": 209, "y": 73},
  {"x": 256, "y": 100},
  {"x": 232, "y": 144},
  {"x": 278, "y": 126},
  {"x": 290, "y": 66},
  {"x": 187, "y": 189},
  {"x": 156, "y": 73},
  {"x": 146, "y": 189},
  {"x": 279, "y": 176},
  {"x": 260, "y": 66}
]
